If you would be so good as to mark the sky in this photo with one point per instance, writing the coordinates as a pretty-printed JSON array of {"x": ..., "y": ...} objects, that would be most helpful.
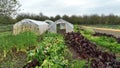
[{"x": 70, "y": 7}]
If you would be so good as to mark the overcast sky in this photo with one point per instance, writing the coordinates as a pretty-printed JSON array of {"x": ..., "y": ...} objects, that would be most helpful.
[{"x": 70, "y": 7}]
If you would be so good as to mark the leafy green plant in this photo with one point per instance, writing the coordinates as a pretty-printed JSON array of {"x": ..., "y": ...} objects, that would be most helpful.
[
  {"x": 78, "y": 64},
  {"x": 76, "y": 28},
  {"x": 88, "y": 31},
  {"x": 51, "y": 52}
]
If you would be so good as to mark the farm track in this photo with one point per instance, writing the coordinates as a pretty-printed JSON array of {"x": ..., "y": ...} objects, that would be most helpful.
[{"x": 88, "y": 50}]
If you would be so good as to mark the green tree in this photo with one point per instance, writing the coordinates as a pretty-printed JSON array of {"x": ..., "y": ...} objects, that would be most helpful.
[
  {"x": 65, "y": 17},
  {"x": 94, "y": 19},
  {"x": 57, "y": 17},
  {"x": 42, "y": 17}
]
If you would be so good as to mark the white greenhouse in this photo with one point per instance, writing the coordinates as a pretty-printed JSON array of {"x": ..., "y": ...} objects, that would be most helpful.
[
  {"x": 51, "y": 26},
  {"x": 61, "y": 26},
  {"x": 37, "y": 27}
]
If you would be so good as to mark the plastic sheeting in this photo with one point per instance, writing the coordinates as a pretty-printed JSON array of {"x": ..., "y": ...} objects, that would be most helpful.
[
  {"x": 63, "y": 25},
  {"x": 37, "y": 27},
  {"x": 52, "y": 25}
]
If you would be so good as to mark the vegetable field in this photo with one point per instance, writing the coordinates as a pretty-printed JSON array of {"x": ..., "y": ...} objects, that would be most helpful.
[{"x": 78, "y": 49}]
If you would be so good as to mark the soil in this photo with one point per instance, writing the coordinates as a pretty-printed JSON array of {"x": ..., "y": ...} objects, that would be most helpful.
[
  {"x": 61, "y": 31},
  {"x": 75, "y": 55},
  {"x": 14, "y": 60}
]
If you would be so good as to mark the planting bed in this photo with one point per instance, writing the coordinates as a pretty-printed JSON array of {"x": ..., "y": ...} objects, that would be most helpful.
[
  {"x": 108, "y": 35},
  {"x": 88, "y": 50},
  {"x": 51, "y": 53}
]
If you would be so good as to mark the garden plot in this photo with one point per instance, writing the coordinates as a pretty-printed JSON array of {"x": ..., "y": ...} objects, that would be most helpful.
[{"x": 51, "y": 51}]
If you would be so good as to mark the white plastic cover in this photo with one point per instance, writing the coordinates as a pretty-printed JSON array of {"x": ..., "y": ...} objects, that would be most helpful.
[
  {"x": 38, "y": 27},
  {"x": 63, "y": 25}
]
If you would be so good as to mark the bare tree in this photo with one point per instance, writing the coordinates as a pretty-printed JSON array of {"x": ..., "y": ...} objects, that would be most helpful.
[{"x": 9, "y": 7}]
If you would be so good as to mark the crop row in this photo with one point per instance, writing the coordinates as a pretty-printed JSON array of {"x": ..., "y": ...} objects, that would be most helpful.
[
  {"x": 51, "y": 53},
  {"x": 108, "y": 35},
  {"x": 89, "y": 50}
]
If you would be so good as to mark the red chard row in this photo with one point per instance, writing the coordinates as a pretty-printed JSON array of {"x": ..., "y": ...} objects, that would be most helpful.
[{"x": 89, "y": 50}]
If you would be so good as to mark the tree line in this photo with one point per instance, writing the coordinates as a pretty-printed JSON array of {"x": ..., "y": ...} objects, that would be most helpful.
[{"x": 74, "y": 19}]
